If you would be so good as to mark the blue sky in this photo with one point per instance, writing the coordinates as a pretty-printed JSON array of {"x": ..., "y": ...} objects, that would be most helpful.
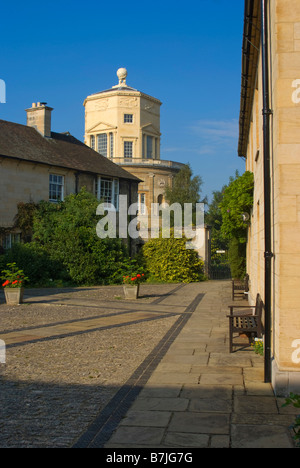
[{"x": 187, "y": 54}]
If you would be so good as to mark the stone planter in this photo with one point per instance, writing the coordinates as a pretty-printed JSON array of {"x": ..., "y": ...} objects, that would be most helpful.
[
  {"x": 131, "y": 292},
  {"x": 13, "y": 296}
]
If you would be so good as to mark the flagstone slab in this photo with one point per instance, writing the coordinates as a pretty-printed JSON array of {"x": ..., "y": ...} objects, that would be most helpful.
[
  {"x": 221, "y": 379},
  {"x": 149, "y": 436},
  {"x": 255, "y": 404},
  {"x": 160, "y": 404},
  {"x": 179, "y": 439},
  {"x": 210, "y": 405},
  {"x": 200, "y": 423},
  {"x": 146, "y": 418},
  {"x": 260, "y": 436}
]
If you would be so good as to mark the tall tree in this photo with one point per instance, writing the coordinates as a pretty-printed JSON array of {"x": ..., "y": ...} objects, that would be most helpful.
[{"x": 186, "y": 188}]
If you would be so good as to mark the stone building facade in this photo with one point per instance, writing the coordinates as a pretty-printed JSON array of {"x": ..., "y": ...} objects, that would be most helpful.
[
  {"x": 123, "y": 124},
  {"x": 271, "y": 73},
  {"x": 38, "y": 164}
]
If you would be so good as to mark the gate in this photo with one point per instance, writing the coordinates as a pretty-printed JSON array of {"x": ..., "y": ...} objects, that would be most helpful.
[{"x": 219, "y": 272}]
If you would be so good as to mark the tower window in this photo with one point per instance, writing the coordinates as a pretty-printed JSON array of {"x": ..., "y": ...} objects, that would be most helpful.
[
  {"x": 92, "y": 141},
  {"x": 102, "y": 144},
  {"x": 128, "y": 118},
  {"x": 111, "y": 145},
  {"x": 128, "y": 149},
  {"x": 149, "y": 147}
]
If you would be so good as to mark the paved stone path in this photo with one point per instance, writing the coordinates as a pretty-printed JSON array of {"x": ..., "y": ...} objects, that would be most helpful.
[{"x": 87, "y": 369}]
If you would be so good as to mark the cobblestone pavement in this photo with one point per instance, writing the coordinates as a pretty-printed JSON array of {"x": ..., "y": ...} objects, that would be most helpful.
[
  {"x": 85, "y": 368},
  {"x": 68, "y": 352}
]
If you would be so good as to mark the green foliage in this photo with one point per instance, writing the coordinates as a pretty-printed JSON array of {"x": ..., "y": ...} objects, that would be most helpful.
[
  {"x": 41, "y": 270},
  {"x": 168, "y": 260},
  {"x": 185, "y": 188},
  {"x": 213, "y": 218},
  {"x": 294, "y": 400},
  {"x": 13, "y": 276},
  {"x": 237, "y": 199},
  {"x": 66, "y": 249},
  {"x": 258, "y": 346},
  {"x": 67, "y": 232},
  {"x": 237, "y": 258},
  {"x": 24, "y": 218}
]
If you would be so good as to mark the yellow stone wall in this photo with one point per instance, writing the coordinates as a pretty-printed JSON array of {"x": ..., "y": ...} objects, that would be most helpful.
[
  {"x": 26, "y": 182},
  {"x": 285, "y": 169},
  {"x": 104, "y": 113}
]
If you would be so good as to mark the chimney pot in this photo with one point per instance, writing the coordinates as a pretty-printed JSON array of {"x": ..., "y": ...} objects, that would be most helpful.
[{"x": 39, "y": 117}]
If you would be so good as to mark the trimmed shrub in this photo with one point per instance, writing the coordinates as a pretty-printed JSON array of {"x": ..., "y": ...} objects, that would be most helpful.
[{"x": 168, "y": 260}]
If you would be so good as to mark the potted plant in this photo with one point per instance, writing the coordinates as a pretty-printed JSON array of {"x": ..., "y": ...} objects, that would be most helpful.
[
  {"x": 13, "y": 284},
  {"x": 131, "y": 285}
]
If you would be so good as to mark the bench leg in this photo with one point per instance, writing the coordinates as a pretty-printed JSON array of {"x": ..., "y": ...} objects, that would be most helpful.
[{"x": 230, "y": 337}]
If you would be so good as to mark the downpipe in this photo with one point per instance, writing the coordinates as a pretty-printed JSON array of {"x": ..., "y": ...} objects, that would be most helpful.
[{"x": 267, "y": 112}]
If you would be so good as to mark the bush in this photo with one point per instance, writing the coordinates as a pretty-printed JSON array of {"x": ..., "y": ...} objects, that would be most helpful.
[
  {"x": 36, "y": 264},
  {"x": 66, "y": 249},
  {"x": 237, "y": 258},
  {"x": 67, "y": 232},
  {"x": 168, "y": 260}
]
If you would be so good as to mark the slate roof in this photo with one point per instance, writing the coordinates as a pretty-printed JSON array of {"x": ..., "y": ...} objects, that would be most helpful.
[{"x": 62, "y": 150}]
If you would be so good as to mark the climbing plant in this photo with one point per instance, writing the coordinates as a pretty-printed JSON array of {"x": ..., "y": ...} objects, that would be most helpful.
[{"x": 237, "y": 199}]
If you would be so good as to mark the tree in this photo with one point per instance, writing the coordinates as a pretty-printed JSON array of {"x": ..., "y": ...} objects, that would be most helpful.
[
  {"x": 237, "y": 199},
  {"x": 67, "y": 233},
  {"x": 214, "y": 219},
  {"x": 185, "y": 188}
]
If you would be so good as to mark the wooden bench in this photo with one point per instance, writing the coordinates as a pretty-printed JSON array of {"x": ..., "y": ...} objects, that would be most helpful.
[
  {"x": 247, "y": 320},
  {"x": 240, "y": 288}
]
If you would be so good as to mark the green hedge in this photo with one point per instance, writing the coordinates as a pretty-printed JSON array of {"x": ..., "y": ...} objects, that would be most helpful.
[{"x": 168, "y": 260}]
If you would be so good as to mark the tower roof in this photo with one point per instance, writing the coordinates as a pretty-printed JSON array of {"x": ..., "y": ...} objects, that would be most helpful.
[{"x": 123, "y": 87}]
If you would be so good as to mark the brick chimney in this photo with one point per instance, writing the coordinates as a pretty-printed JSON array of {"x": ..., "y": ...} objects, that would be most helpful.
[{"x": 39, "y": 117}]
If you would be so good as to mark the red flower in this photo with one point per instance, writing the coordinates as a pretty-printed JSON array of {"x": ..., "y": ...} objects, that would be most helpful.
[
  {"x": 5, "y": 284},
  {"x": 138, "y": 275},
  {"x": 15, "y": 282},
  {"x": 132, "y": 279}
]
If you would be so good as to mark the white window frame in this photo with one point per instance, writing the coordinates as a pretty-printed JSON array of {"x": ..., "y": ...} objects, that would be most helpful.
[
  {"x": 107, "y": 190},
  {"x": 111, "y": 145},
  {"x": 128, "y": 149},
  {"x": 102, "y": 144},
  {"x": 92, "y": 141},
  {"x": 58, "y": 181},
  {"x": 9, "y": 239}
]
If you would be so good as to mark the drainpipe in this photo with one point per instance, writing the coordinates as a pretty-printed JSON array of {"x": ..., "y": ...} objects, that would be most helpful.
[{"x": 267, "y": 187}]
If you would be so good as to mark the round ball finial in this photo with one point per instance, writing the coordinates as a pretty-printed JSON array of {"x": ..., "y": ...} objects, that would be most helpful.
[{"x": 122, "y": 75}]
